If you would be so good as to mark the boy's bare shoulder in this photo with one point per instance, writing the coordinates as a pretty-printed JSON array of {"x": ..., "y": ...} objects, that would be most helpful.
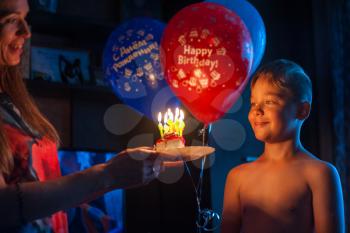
[
  {"x": 240, "y": 170},
  {"x": 318, "y": 170},
  {"x": 311, "y": 163}
]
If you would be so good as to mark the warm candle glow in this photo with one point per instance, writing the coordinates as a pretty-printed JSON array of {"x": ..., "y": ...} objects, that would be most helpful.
[
  {"x": 159, "y": 117},
  {"x": 177, "y": 113},
  {"x": 172, "y": 124},
  {"x": 171, "y": 116},
  {"x": 165, "y": 118}
]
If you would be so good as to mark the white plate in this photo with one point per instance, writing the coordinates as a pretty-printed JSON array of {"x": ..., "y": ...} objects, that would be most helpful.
[{"x": 189, "y": 153}]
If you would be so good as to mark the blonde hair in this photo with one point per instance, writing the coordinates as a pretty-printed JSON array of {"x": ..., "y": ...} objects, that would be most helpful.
[
  {"x": 288, "y": 76},
  {"x": 11, "y": 83}
]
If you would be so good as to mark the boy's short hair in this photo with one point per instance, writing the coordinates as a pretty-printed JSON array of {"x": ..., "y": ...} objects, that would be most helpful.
[{"x": 288, "y": 76}]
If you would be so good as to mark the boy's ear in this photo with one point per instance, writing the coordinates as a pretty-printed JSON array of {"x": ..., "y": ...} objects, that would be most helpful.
[{"x": 304, "y": 109}]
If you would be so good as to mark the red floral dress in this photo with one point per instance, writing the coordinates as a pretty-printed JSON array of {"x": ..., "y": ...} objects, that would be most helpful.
[{"x": 35, "y": 159}]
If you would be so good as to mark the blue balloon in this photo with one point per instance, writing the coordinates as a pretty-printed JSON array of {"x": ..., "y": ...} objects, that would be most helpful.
[
  {"x": 131, "y": 61},
  {"x": 254, "y": 23}
]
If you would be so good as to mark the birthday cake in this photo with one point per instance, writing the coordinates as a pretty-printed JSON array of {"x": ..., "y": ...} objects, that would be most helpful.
[
  {"x": 171, "y": 131},
  {"x": 170, "y": 142}
]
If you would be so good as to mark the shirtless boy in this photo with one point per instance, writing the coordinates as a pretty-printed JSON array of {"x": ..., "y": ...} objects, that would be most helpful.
[{"x": 287, "y": 189}]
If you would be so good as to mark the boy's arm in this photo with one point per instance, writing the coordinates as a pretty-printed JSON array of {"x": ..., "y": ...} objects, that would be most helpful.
[
  {"x": 327, "y": 200},
  {"x": 231, "y": 214}
]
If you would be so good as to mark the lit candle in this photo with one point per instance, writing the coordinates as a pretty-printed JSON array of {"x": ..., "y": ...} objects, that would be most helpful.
[
  {"x": 170, "y": 120},
  {"x": 165, "y": 118},
  {"x": 160, "y": 126},
  {"x": 177, "y": 113},
  {"x": 169, "y": 111},
  {"x": 176, "y": 123},
  {"x": 171, "y": 116},
  {"x": 171, "y": 123},
  {"x": 166, "y": 127}
]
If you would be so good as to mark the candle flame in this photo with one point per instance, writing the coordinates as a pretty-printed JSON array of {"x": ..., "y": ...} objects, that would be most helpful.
[
  {"x": 173, "y": 123},
  {"x": 177, "y": 113},
  {"x": 166, "y": 118},
  {"x": 171, "y": 116},
  {"x": 159, "y": 117}
]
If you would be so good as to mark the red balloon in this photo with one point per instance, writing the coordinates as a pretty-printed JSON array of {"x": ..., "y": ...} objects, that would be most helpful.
[{"x": 206, "y": 55}]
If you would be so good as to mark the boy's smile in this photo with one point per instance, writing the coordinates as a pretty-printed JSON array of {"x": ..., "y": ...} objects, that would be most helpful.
[
  {"x": 272, "y": 112},
  {"x": 260, "y": 123}
]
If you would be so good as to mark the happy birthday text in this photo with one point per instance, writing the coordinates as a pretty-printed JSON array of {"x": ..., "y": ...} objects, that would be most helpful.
[
  {"x": 183, "y": 60},
  {"x": 188, "y": 50},
  {"x": 191, "y": 54}
]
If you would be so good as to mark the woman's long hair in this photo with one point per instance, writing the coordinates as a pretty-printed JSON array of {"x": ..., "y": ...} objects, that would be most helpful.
[{"x": 11, "y": 83}]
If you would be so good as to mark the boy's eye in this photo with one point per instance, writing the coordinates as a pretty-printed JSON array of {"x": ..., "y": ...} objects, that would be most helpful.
[{"x": 269, "y": 102}]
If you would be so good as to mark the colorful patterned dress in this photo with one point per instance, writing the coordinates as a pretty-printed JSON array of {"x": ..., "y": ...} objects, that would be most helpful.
[{"x": 35, "y": 159}]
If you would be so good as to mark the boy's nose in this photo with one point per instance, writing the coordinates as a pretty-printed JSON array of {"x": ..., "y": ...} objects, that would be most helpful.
[{"x": 258, "y": 110}]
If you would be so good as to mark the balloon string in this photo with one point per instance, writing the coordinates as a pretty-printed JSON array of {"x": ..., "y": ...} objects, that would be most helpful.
[
  {"x": 204, "y": 217},
  {"x": 200, "y": 182}
]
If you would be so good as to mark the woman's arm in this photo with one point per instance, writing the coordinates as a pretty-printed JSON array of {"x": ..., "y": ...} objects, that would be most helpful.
[{"x": 42, "y": 199}]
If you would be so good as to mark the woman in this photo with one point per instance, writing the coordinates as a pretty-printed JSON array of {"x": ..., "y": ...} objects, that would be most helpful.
[{"x": 30, "y": 184}]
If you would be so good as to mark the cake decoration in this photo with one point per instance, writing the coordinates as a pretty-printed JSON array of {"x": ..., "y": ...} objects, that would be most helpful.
[{"x": 171, "y": 128}]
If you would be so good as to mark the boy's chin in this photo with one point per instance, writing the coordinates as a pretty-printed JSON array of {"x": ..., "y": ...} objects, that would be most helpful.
[
  {"x": 262, "y": 137},
  {"x": 264, "y": 140},
  {"x": 270, "y": 139}
]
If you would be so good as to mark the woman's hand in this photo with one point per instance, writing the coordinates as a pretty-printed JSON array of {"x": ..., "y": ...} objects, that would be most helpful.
[{"x": 135, "y": 167}]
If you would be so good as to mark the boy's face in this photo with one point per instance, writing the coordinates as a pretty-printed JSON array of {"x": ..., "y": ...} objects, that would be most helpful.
[{"x": 272, "y": 113}]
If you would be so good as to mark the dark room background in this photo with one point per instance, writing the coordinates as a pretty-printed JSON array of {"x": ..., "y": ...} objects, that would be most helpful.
[{"x": 313, "y": 33}]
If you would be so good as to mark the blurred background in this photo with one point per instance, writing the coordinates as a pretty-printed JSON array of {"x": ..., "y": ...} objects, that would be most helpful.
[{"x": 91, "y": 119}]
